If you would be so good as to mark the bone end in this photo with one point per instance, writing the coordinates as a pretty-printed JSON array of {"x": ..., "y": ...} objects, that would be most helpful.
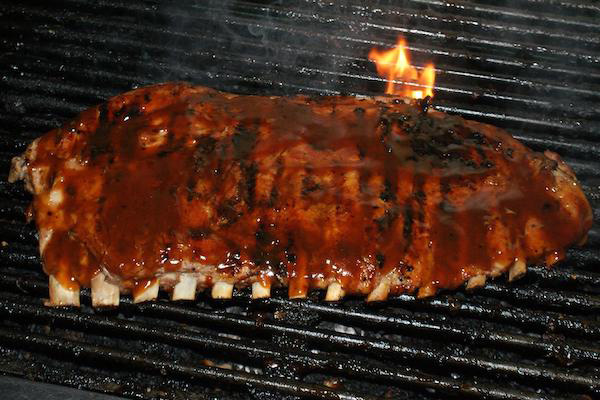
[
  {"x": 222, "y": 290},
  {"x": 147, "y": 294},
  {"x": 61, "y": 295},
  {"x": 380, "y": 293},
  {"x": 259, "y": 291},
  {"x": 476, "y": 282},
  {"x": 426, "y": 291},
  {"x": 517, "y": 270},
  {"x": 104, "y": 294},
  {"x": 185, "y": 288},
  {"x": 334, "y": 292}
]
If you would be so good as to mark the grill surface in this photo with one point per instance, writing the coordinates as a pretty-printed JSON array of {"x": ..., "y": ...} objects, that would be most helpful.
[{"x": 530, "y": 66}]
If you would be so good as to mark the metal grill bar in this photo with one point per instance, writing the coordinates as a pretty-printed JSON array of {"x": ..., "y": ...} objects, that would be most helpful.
[
  {"x": 183, "y": 337},
  {"x": 92, "y": 354},
  {"x": 384, "y": 349},
  {"x": 323, "y": 362}
]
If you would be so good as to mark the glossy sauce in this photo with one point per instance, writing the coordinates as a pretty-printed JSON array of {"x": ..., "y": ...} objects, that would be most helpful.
[{"x": 295, "y": 189}]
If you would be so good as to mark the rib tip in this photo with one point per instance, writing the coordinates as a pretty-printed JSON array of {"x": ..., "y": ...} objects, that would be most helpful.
[
  {"x": 259, "y": 291},
  {"x": 185, "y": 288},
  {"x": 476, "y": 282},
  {"x": 61, "y": 295},
  {"x": 426, "y": 291},
  {"x": 334, "y": 292},
  {"x": 222, "y": 290},
  {"x": 147, "y": 294},
  {"x": 380, "y": 293},
  {"x": 518, "y": 269},
  {"x": 498, "y": 268},
  {"x": 104, "y": 294}
]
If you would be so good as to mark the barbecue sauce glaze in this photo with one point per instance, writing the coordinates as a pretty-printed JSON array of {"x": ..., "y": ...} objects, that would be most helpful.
[{"x": 299, "y": 190}]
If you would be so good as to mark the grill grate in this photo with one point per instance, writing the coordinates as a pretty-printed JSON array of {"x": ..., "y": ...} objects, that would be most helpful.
[{"x": 527, "y": 65}]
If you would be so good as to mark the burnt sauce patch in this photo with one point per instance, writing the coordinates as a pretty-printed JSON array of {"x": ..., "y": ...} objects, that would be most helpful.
[{"x": 334, "y": 188}]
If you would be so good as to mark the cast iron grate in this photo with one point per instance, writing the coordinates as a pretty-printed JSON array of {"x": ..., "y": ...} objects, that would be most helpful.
[{"x": 530, "y": 66}]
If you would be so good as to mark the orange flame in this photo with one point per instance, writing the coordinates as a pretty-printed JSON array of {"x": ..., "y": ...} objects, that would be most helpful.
[{"x": 395, "y": 66}]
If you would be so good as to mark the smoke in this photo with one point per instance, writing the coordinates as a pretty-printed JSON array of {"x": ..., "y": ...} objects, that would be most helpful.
[{"x": 268, "y": 47}]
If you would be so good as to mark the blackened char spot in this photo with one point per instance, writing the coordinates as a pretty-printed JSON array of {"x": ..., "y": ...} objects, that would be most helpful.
[
  {"x": 191, "y": 190},
  {"x": 261, "y": 234},
  {"x": 103, "y": 113},
  {"x": 264, "y": 240},
  {"x": 480, "y": 143},
  {"x": 289, "y": 250},
  {"x": 421, "y": 199},
  {"x": 409, "y": 213},
  {"x": 205, "y": 147},
  {"x": 479, "y": 138},
  {"x": 408, "y": 220},
  {"x": 198, "y": 233},
  {"x": 361, "y": 152},
  {"x": 387, "y": 194},
  {"x": 127, "y": 112},
  {"x": 228, "y": 211},
  {"x": 387, "y": 220},
  {"x": 424, "y": 104},
  {"x": 273, "y": 196},
  {"x": 249, "y": 171},
  {"x": 244, "y": 140},
  {"x": 309, "y": 185},
  {"x": 99, "y": 143},
  {"x": 380, "y": 259},
  {"x": 423, "y": 147},
  {"x": 385, "y": 122}
]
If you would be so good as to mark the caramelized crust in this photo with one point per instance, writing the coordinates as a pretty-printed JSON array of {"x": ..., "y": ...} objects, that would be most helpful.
[{"x": 188, "y": 188}]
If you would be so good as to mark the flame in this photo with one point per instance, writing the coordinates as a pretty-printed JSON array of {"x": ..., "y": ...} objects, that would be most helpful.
[{"x": 395, "y": 66}]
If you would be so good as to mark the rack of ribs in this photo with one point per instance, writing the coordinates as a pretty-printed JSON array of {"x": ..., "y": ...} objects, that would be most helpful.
[{"x": 185, "y": 188}]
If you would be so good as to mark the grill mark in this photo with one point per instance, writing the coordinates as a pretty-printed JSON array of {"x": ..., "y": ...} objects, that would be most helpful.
[
  {"x": 274, "y": 194},
  {"x": 416, "y": 198},
  {"x": 244, "y": 140},
  {"x": 444, "y": 235},
  {"x": 205, "y": 148},
  {"x": 248, "y": 182},
  {"x": 480, "y": 148}
]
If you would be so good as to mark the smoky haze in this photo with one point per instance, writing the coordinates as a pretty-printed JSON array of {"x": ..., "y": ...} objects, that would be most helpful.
[{"x": 273, "y": 47}]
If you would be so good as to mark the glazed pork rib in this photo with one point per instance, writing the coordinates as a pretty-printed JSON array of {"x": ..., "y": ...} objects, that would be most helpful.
[{"x": 186, "y": 188}]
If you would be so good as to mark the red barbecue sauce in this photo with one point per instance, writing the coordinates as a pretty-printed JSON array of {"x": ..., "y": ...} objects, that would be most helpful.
[{"x": 303, "y": 189}]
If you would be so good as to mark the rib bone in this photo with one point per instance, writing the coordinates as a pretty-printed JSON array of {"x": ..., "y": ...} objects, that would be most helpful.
[
  {"x": 222, "y": 290},
  {"x": 104, "y": 293},
  {"x": 381, "y": 292},
  {"x": 476, "y": 282},
  {"x": 61, "y": 295},
  {"x": 185, "y": 289},
  {"x": 149, "y": 293},
  {"x": 517, "y": 270},
  {"x": 259, "y": 291},
  {"x": 334, "y": 292}
]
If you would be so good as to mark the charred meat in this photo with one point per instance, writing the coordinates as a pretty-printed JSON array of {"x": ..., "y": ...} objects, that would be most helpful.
[{"x": 186, "y": 188}]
